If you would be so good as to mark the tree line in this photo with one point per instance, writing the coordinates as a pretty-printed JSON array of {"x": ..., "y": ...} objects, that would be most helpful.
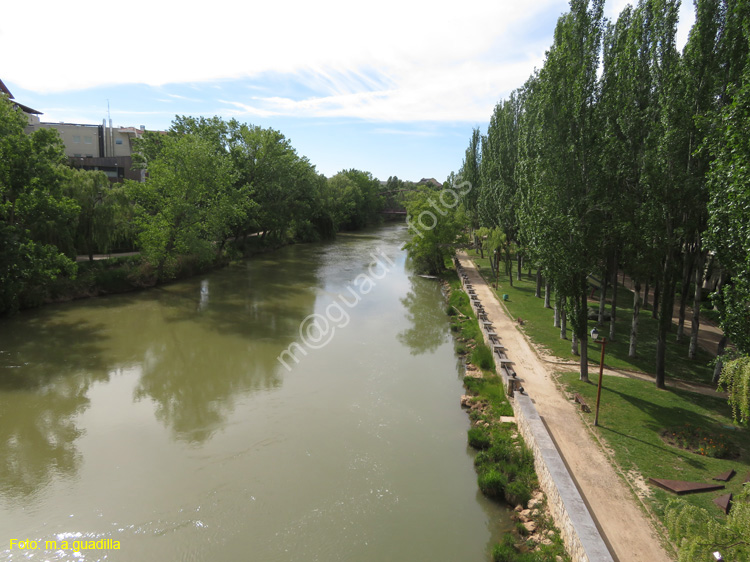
[
  {"x": 623, "y": 154},
  {"x": 210, "y": 185}
]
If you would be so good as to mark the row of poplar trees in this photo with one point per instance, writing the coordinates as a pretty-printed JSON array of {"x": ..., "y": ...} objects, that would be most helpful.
[{"x": 624, "y": 154}]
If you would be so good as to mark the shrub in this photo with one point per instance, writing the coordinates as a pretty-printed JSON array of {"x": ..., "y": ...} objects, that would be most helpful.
[
  {"x": 482, "y": 356},
  {"x": 505, "y": 551},
  {"x": 480, "y": 438},
  {"x": 492, "y": 483},
  {"x": 700, "y": 441},
  {"x": 517, "y": 493}
]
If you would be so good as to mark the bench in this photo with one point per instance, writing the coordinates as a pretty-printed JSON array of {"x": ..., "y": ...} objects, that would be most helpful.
[{"x": 579, "y": 399}]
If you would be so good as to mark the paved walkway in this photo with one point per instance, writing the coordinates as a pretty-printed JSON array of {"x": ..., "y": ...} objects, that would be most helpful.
[{"x": 614, "y": 506}]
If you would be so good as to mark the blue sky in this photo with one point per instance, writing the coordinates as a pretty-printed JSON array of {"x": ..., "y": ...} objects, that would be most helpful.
[{"x": 393, "y": 87}]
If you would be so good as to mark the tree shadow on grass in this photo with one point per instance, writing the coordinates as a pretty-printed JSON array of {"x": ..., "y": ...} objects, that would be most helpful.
[{"x": 660, "y": 417}]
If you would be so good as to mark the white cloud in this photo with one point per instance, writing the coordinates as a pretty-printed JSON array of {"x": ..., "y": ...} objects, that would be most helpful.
[{"x": 395, "y": 60}]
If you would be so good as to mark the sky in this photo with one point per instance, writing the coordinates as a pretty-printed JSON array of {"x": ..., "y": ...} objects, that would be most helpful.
[{"x": 394, "y": 87}]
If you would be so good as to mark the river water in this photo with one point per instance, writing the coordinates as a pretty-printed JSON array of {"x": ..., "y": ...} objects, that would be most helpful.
[{"x": 164, "y": 420}]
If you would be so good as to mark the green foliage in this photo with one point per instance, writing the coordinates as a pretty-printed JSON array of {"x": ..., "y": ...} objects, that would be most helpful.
[
  {"x": 436, "y": 222},
  {"x": 699, "y": 534},
  {"x": 492, "y": 483},
  {"x": 37, "y": 220},
  {"x": 479, "y": 438},
  {"x": 355, "y": 199},
  {"x": 735, "y": 378},
  {"x": 729, "y": 208},
  {"x": 481, "y": 356},
  {"x": 102, "y": 217},
  {"x": 185, "y": 205}
]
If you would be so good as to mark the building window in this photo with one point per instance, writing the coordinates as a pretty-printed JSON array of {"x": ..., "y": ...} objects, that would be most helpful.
[
  {"x": 88, "y": 140},
  {"x": 77, "y": 138},
  {"x": 118, "y": 141}
]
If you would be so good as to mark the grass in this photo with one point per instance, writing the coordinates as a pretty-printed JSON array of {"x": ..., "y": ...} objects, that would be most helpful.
[
  {"x": 634, "y": 415},
  {"x": 538, "y": 325},
  {"x": 505, "y": 466}
]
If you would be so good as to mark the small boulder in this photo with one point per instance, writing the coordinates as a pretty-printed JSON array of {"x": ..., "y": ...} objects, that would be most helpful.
[{"x": 530, "y": 526}]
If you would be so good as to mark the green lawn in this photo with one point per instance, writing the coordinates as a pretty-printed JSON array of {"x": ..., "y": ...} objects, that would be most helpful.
[
  {"x": 632, "y": 416},
  {"x": 538, "y": 324}
]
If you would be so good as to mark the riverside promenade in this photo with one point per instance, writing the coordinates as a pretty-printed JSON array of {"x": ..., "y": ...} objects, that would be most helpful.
[{"x": 622, "y": 521}]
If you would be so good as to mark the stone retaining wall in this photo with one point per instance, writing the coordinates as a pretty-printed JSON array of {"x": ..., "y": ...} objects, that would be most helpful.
[{"x": 580, "y": 535}]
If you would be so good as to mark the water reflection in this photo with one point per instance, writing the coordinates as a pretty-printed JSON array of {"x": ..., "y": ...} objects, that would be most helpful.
[
  {"x": 47, "y": 366},
  {"x": 38, "y": 435},
  {"x": 425, "y": 312}
]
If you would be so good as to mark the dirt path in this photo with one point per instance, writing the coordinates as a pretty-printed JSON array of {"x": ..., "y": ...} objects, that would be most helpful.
[{"x": 613, "y": 505}]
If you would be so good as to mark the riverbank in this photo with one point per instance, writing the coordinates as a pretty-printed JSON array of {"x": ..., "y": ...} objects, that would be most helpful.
[
  {"x": 618, "y": 514},
  {"x": 504, "y": 464}
]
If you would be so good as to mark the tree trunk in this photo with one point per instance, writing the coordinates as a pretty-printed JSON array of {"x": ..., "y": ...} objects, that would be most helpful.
[
  {"x": 583, "y": 331},
  {"x": 509, "y": 268},
  {"x": 722, "y": 347},
  {"x": 546, "y": 294},
  {"x": 538, "y": 292},
  {"x": 613, "y": 311},
  {"x": 602, "y": 298},
  {"x": 645, "y": 296},
  {"x": 657, "y": 294},
  {"x": 575, "y": 305},
  {"x": 563, "y": 319},
  {"x": 695, "y": 326},
  {"x": 666, "y": 288},
  {"x": 687, "y": 269},
  {"x": 634, "y": 324},
  {"x": 520, "y": 266}
]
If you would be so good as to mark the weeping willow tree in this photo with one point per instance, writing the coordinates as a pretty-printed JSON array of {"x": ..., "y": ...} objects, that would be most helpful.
[
  {"x": 699, "y": 535},
  {"x": 735, "y": 379}
]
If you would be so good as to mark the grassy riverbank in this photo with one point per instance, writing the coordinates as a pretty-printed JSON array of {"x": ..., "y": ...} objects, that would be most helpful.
[
  {"x": 671, "y": 434},
  {"x": 505, "y": 466}
]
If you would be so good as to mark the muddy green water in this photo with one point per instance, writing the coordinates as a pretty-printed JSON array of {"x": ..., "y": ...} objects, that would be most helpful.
[{"x": 165, "y": 421}]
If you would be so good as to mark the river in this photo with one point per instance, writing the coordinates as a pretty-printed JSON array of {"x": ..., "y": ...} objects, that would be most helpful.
[{"x": 303, "y": 405}]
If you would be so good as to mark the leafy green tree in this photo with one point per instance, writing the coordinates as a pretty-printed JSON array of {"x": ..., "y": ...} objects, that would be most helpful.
[
  {"x": 186, "y": 204},
  {"x": 281, "y": 184},
  {"x": 699, "y": 535},
  {"x": 358, "y": 199},
  {"x": 436, "y": 225},
  {"x": 470, "y": 172},
  {"x": 36, "y": 218},
  {"x": 561, "y": 215},
  {"x": 101, "y": 219}
]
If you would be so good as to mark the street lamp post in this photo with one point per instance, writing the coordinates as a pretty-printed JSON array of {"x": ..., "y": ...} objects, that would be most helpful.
[{"x": 603, "y": 341}]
